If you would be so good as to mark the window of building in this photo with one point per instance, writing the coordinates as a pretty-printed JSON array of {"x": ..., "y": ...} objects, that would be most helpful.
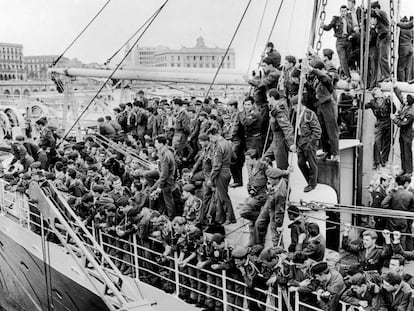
[
  {"x": 207, "y": 65},
  {"x": 178, "y": 65},
  {"x": 188, "y": 65},
  {"x": 194, "y": 65},
  {"x": 178, "y": 57},
  {"x": 228, "y": 57},
  {"x": 201, "y": 57},
  {"x": 194, "y": 58},
  {"x": 172, "y": 65},
  {"x": 212, "y": 57},
  {"x": 201, "y": 65}
]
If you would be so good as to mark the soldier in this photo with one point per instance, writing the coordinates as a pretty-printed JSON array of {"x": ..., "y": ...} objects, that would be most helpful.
[
  {"x": 47, "y": 141},
  {"x": 238, "y": 144},
  {"x": 404, "y": 120},
  {"x": 283, "y": 134},
  {"x": 122, "y": 117},
  {"x": 272, "y": 213},
  {"x": 326, "y": 110},
  {"x": 106, "y": 129},
  {"x": 192, "y": 205},
  {"x": 291, "y": 76},
  {"x": 381, "y": 107},
  {"x": 309, "y": 133},
  {"x": 165, "y": 183},
  {"x": 248, "y": 127},
  {"x": 257, "y": 191},
  {"x": 405, "y": 50},
  {"x": 182, "y": 126},
  {"x": 19, "y": 152},
  {"x": 378, "y": 195},
  {"x": 220, "y": 178},
  {"x": 131, "y": 120}
]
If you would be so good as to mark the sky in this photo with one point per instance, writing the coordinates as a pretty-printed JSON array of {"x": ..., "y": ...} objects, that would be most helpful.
[{"x": 46, "y": 27}]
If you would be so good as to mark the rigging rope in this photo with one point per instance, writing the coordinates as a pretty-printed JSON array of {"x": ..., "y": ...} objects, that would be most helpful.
[
  {"x": 131, "y": 37},
  {"x": 81, "y": 33},
  {"x": 257, "y": 36},
  {"x": 113, "y": 72},
  {"x": 228, "y": 48}
]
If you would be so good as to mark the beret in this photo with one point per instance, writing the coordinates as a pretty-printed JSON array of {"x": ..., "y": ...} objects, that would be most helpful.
[
  {"x": 232, "y": 102},
  {"x": 122, "y": 106},
  {"x": 319, "y": 268},
  {"x": 41, "y": 121},
  {"x": 274, "y": 173},
  {"x": 239, "y": 252},
  {"x": 293, "y": 210},
  {"x": 36, "y": 164},
  {"x": 101, "y": 119},
  {"x": 154, "y": 174},
  {"x": 317, "y": 64},
  {"x": 98, "y": 188},
  {"x": 117, "y": 109},
  {"x": 357, "y": 279},
  {"x": 20, "y": 138},
  {"x": 327, "y": 52},
  {"x": 203, "y": 137},
  {"x": 188, "y": 188},
  {"x": 218, "y": 238}
]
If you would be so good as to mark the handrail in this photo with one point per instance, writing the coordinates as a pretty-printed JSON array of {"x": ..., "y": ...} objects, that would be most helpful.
[{"x": 174, "y": 273}]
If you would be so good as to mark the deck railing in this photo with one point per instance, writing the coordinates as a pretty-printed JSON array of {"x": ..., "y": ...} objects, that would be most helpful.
[{"x": 140, "y": 261}]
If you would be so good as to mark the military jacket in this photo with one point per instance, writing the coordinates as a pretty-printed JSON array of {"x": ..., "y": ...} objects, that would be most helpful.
[{"x": 309, "y": 129}]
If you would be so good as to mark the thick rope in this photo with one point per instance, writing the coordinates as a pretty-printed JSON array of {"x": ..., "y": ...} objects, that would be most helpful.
[
  {"x": 81, "y": 33},
  {"x": 112, "y": 74},
  {"x": 228, "y": 48}
]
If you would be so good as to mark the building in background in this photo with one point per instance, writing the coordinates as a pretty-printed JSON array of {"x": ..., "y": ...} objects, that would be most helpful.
[
  {"x": 199, "y": 56},
  {"x": 11, "y": 62}
]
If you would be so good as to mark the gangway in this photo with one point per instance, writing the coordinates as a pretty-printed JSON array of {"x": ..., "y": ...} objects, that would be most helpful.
[{"x": 119, "y": 293}]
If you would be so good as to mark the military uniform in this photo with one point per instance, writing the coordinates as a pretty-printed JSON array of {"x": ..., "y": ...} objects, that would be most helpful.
[
  {"x": 378, "y": 195},
  {"x": 20, "y": 154},
  {"x": 249, "y": 125},
  {"x": 166, "y": 180},
  {"x": 309, "y": 134},
  {"x": 236, "y": 134},
  {"x": 181, "y": 131},
  {"x": 404, "y": 120},
  {"x": 257, "y": 190},
  {"x": 382, "y": 145},
  {"x": 220, "y": 178},
  {"x": 283, "y": 135}
]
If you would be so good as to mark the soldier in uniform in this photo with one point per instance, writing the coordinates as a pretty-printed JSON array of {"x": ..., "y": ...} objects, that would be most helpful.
[
  {"x": 282, "y": 130},
  {"x": 382, "y": 108},
  {"x": 106, "y": 129},
  {"x": 309, "y": 134},
  {"x": 404, "y": 120},
  {"x": 165, "y": 183},
  {"x": 378, "y": 195},
  {"x": 182, "y": 127},
  {"x": 291, "y": 76},
  {"x": 220, "y": 178},
  {"x": 47, "y": 141},
  {"x": 257, "y": 191},
  {"x": 204, "y": 161},
  {"x": 248, "y": 126},
  {"x": 20, "y": 153}
]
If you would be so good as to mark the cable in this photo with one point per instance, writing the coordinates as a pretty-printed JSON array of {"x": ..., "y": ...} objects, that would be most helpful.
[
  {"x": 81, "y": 33},
  {"x": 113, "y": 72},
  {"x": 130, "y": 38},
  {"x": 257, "y": 36},
  {"x": 228, "y": 48}
]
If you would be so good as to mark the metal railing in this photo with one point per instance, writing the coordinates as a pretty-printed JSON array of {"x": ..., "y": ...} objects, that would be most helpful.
[{"x": 150, "y": 266}]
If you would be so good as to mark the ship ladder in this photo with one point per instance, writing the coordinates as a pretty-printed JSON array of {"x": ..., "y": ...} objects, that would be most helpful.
[{"x": 119, "y": 292}]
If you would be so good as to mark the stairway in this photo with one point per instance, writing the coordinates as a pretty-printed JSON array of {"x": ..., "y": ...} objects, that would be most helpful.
[{"x": 117, "y": 291}]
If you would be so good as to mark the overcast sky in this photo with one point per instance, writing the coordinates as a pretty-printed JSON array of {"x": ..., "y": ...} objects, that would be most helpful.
[{"x": 48, "y": 26}]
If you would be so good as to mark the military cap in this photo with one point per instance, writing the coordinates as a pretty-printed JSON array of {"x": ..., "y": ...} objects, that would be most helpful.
[
  {"x": 319, "y": 268},
  {"x": 122, "y": 201},
  {"x": 410, "y": 100},
  {"x": 327, "y": 52},
  {"x": 293, "y": 210},
  {"x": 203, "y": 114},
  {"x": 317, "y": 64},
  {"x": 251, "y": 153},
  {"x": 20, "y": 138},
  {"x": 357, "y": 279},
  {"x": 232, "y": 102},
  {"x": 218, "y": 238},
  {"x": 239, "y": 252},
  {"x": 101, "y": 119},
  {"x": 256, "y": 249},
  {"x": 117, "y": 109},
  {"x": 36, "y": 164},
  {"x": 152, "y": 175},
  {"x": 203, "y": 137},
  {"x": 274, "y": 173},
  {"x": 41, "y": 121},
  {"x": 98, "y": 188},
  {"x": 189, "y": 188},
  {"x": 122, "y": 106}
]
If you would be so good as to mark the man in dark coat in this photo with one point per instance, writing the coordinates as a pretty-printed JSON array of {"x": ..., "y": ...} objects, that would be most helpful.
[
  {"x": 405, "y": 50},
  {"x": 182, "y": 127}
]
